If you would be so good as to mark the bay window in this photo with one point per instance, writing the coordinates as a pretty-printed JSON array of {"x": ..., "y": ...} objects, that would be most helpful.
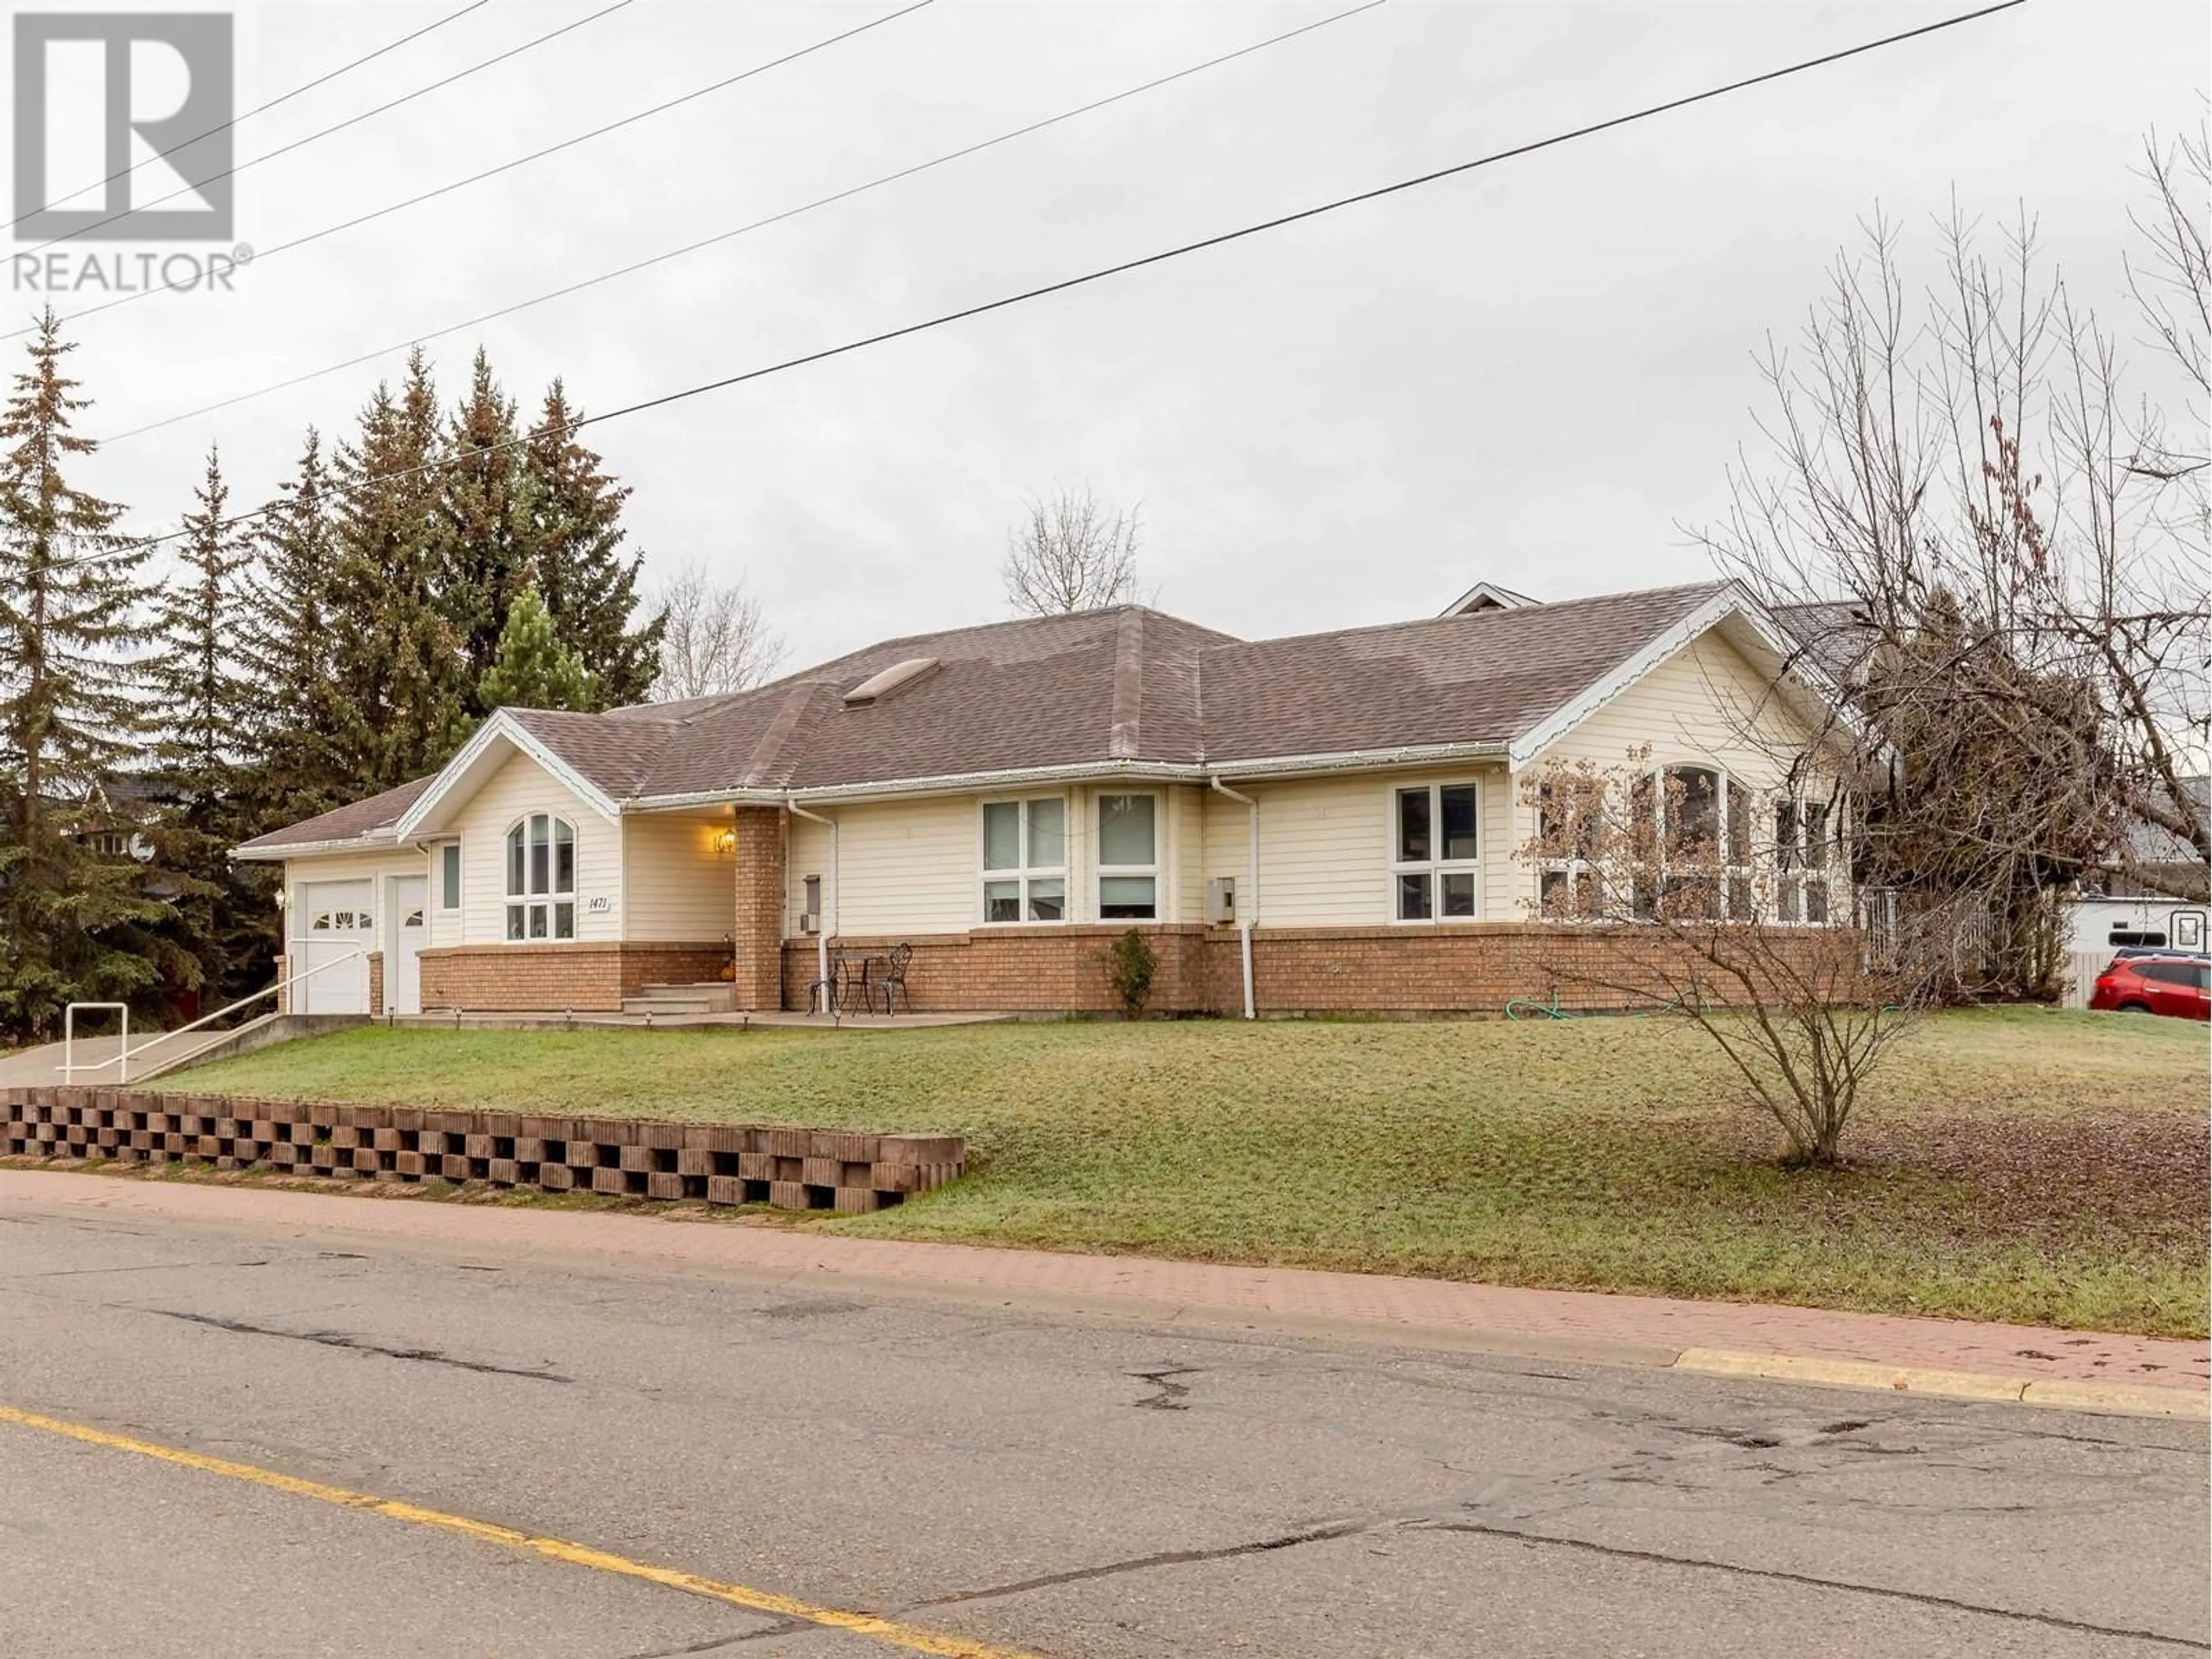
[
  {"x": 1129, "y": 858},
  {"x": 1025, "y": 859},
  {"x": 1433, "y": 870},
  {"x": 541, "y": 878}
]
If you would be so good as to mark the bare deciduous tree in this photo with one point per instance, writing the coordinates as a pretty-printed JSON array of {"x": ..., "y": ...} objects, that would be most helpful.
[
  {"x": 1068, "y": 554},
  {"x": 1972, "y": 516},
  {"x": 1684, "y": 891},
  {"x": 716, "y": 639}
]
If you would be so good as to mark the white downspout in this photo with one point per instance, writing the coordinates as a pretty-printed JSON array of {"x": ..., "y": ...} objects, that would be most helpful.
[
  {"x": 1249, "y": 908},
  {"x": 827, "y": 924}
]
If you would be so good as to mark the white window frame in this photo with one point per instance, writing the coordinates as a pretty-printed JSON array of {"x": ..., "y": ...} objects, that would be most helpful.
[
  {"x": 540, "y": 912},
  {"x": 449, "y": 853},
  {"x": 1735, "y": 868},
  {"x": 1584, "y": 874},
  {"x": 1105, "y": 872},
  {"x": 1023, "y": 874},
  {"x": 1436, "y": 868},
  {"x": 1794, "y": 876}
]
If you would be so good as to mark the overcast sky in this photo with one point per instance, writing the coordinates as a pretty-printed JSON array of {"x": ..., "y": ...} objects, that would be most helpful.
[{"x": 1534, "y": 374}]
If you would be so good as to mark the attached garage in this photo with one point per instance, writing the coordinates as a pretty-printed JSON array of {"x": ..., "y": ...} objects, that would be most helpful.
[{"x": 333, "y": 931}]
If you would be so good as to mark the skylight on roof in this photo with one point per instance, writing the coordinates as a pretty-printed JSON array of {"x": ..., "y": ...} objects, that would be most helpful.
[{"x": 884, "y": 683}]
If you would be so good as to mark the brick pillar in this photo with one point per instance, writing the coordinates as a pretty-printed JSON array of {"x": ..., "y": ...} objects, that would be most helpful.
[
  {"x": 375, "y": 984},
  {"x": 757, "y": 929},
  {"x": 283, "y": 991}
]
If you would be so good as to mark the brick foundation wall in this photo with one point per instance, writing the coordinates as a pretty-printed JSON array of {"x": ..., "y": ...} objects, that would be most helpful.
[
  {"x": 791, "y": 1168},
  {"x": 1056, "y": 970},
  {"x": 1472, "y": 970},
  {"x": 586, "y": 978}
]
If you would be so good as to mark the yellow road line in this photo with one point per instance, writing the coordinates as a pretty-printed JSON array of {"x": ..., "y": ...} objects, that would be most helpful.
[{"x": 913, "y": 1640}]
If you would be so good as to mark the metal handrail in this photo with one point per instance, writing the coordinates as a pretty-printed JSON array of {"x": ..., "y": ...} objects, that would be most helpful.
[
  {"x": 121, "y": 1059},
  {"x": 68, "y": 1034}
]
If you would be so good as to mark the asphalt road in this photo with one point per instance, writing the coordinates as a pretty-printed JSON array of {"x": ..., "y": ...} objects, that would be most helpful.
[{"x": 984, "y": 1480}]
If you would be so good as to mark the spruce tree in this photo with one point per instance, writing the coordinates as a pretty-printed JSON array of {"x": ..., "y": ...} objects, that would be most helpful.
[
  {"x": 205, "y": 703},
  {"x": 534, "y": 669},
  {"x": 306, "y": 734},
  {"x": 576, "y": 545},
  {"x": 396, "y": 659},
  {"x": 75, "y": 905},
  {"x": 483, "y": 523}
]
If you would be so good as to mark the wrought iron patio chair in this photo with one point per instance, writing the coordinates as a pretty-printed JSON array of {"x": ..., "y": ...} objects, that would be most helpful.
[{"x": 893, "y": 979}]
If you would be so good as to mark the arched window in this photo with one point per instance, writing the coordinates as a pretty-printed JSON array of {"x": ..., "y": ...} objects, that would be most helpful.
[
  {"x": 1694, "y": 845},
  {"x": 541, "y": 878}
]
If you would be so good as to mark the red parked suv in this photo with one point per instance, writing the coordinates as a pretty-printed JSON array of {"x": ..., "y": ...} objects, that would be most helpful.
[{"x": 2177, "y": 985}]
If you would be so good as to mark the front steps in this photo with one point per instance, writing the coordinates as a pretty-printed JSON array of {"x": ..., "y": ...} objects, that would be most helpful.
[{"x": 711, "y": 997}]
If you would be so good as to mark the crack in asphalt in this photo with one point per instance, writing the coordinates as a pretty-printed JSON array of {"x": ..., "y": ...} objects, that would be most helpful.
[
  {"x": 140, "y": 1267},
  {"x": 357, "y": 1344},
  {"x": 712, "y": 1644},
  {"x": 1159, "y": 1558},
  {"x": 1433, "y": 1520},
  {"x": 1922, "y": 1598}
]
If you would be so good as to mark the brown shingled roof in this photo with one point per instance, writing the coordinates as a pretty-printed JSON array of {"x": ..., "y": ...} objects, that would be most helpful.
[
  {"x": 357, "y": 821},
  {"x": 1127, "y": 684},
  {"x": 1488, "y": 675}
]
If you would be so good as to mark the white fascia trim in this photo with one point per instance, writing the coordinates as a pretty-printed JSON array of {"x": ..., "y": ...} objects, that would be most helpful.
[
  {"x": 951, "y": 783},
  {"x": 1799, "y": 664},
  {"x": 501, "y": 725},
  {"x": 1503, "y": 598},
  {"x": 1360, "y": 760},
  {"x": 1623, "y": 674},
  {"x": 1131, "y": 770},
  {"x": 1732, "y": 601},
  {"x": 376, "y": 841}
]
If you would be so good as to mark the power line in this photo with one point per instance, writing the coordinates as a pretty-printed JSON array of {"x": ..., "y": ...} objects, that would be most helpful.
[
  {"x": 260, "y": 109},
  {"x": 505, "y": 166},
  {"x": 944, "y": 318},
  {"x": 845, "y": 194},
  {"x": 350, "y": 121}
]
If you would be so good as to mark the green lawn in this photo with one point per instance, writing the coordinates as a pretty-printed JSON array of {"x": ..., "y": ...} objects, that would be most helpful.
[{"x": 2019, "y": 1163}]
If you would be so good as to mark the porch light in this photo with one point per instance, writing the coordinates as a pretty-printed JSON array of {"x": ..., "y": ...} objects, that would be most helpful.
[{"x": 726, "y": 843}]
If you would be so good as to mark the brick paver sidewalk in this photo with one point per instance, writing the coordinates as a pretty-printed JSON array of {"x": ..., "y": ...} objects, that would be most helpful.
[{"x": 1636, "y": 1328}]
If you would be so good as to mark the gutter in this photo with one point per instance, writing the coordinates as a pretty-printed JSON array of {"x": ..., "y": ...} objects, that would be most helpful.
[
  {"x": 1079, "y": 771},
  {"x": 309, "y": 848},
  {"x": 953, "y": 783},
  {"x": 1348, "y": 760},
  {"x": 1248, "y": 912},
  {"x": 822, "y": 936}
]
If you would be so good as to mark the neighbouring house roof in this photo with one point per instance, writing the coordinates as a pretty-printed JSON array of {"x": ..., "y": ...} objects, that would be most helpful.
[
  {"x": 1127, "y": 688},
  {"x": 2152, "y": 861}
]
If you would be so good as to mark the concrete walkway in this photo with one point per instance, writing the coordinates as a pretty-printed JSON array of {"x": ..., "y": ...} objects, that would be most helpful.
[
  {"x": 1938, "y": 1356},
  {"x": 41, "y": 1067}
]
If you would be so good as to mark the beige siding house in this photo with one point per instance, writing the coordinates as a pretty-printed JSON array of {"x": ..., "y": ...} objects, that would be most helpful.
[{"x": 1338, "y": 821}]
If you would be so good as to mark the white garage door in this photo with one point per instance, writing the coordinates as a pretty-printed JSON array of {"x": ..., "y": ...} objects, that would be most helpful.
[{"x": 334, "y": 920}]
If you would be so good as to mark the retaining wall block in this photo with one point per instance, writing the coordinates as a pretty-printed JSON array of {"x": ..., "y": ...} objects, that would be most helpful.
[{"x": 847, "y": 1172}]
